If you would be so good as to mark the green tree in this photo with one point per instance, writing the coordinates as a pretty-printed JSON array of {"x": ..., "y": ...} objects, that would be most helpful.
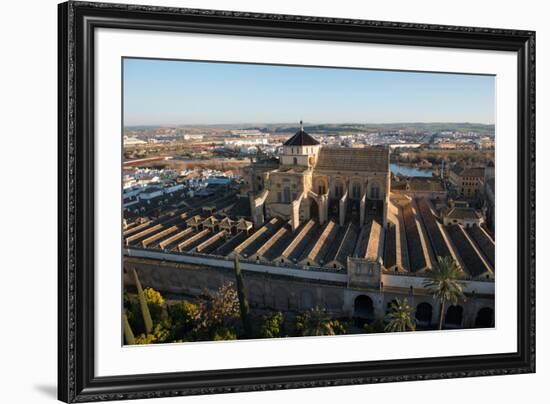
[
  {"x": 272, "y": 325},
  {"x": 155, "y": 303},
  {"x": 445, "y": 285},
  {"x": 218, "y": 310},
  {"x": 185, "y": 316},
  {"x": 317, "y": 321},
  {"x": 375, "y": 327},
  {"x": 158, "y": 334},
  {"x": 223, "y": 334},
  {"x": 243, "y": 301},
  {"x": 400, "y": 317},
  {"x": 339, "y": 327}
]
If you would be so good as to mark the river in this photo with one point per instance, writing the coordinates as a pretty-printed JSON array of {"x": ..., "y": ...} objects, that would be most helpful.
[{"x": 408, "y": 171}]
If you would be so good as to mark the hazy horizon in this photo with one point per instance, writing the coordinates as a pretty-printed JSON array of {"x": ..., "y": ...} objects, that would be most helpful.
[
  {"x": 173, "y": 125},
  {"x": 194, "y": 93}
]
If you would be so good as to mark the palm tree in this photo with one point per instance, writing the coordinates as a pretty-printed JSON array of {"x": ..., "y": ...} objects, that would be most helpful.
[
  {"x": 445, "y": 285},
  {"x": 316, "y": 322},
  {"x": 400, "y": 317}
]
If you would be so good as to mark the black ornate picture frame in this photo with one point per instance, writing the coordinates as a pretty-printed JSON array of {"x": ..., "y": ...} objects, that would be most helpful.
[{"x": 77, "y": 24}]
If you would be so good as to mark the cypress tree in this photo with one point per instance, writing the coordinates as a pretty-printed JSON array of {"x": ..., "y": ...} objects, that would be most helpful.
[
  {"x": 147, "y": 320},
  {"x": 128, "y": 334},
  {"x": 243, "y": 301}
]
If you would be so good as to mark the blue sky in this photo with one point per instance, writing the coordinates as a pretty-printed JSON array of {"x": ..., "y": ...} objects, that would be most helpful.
[{"x": 165, "y": 92}]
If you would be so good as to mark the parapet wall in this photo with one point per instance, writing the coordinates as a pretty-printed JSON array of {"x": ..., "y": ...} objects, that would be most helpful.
[
  {"x": 398, "y": 281},
  {"x": 277, "y": 288}
]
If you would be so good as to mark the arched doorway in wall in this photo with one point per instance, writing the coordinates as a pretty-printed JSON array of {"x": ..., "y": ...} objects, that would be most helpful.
[
  {"x": 363, "y": 308},
  {"x": 423, "y": 314},
  {"x": 485, "y": 318},
  {"x": 453, "y": 318}
]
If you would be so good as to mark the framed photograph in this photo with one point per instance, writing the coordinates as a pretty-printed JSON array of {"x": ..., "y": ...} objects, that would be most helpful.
[{"x": 258, "y": 201}]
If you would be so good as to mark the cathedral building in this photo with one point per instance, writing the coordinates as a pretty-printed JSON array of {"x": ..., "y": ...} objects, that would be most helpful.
[
  {"x": 321, "y": 183},
  {"x": 323, "y": 229}
]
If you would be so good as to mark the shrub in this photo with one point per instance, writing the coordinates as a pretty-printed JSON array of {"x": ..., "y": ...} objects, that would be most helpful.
[{"x": 272, "y": 325}]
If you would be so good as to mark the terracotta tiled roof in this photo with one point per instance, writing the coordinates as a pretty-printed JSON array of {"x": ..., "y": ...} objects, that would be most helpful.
[
  {"x": 351, "y": 159},
  {"x": 430, "y": 184}
]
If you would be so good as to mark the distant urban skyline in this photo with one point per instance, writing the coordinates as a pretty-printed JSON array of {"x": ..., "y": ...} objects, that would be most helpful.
[{"x": 169, "y": 92}]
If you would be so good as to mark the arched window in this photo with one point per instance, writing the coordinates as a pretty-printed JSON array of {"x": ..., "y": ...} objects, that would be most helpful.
[{"x": 295, "y": 160}]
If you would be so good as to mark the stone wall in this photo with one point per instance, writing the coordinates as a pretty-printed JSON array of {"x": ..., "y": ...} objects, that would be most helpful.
[{"x": 278, "y": 289}]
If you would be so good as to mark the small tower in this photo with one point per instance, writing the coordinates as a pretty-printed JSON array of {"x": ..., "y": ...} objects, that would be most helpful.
[{"x": 300, "y": 150}]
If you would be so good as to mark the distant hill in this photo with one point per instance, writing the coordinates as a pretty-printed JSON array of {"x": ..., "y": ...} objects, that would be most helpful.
[
  {"x": 330, "y": 128},
  {"x": 384, "y": 127}
]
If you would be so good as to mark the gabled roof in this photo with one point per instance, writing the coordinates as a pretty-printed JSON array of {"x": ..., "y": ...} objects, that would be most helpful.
[
  {"x": 244, "y": 224},
  {"x": 226, "y": 221},
  {"x": 301, "y": 138},
  {"x": 210, "y": 220},
  {"x": 195, "y": 220},
  {"x": 351, "y": 159}
]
